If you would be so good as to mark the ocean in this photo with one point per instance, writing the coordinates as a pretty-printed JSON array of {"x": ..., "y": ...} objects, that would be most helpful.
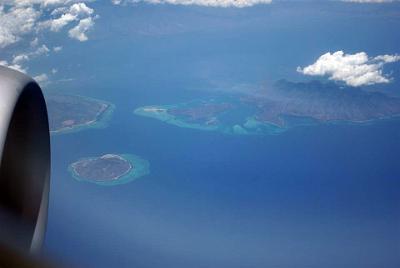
[
  {"x": 323, "y": 195},
  {"x": 314, "y": 196}
]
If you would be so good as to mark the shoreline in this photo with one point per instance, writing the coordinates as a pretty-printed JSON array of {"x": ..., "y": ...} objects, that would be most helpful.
[
  {"x": 100, "y": 121},
  {"x": 251, "y": 125},
  {"x": 131, "y": 166},
  {"x": 138, "y": 167}
]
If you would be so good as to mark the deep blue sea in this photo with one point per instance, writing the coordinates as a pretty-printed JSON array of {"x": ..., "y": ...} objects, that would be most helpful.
[{"x": 320, "y": 196}]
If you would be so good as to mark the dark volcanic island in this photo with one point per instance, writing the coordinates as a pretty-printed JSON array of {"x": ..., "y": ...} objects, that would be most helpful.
[
  {"x": 109, "y": 169},
  {"x": 322, "y": 102},
  {"x": 278, "y": 108},
  {"x": 69, "y": 113}
]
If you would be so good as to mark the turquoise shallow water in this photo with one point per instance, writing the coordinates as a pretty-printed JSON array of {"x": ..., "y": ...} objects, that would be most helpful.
[
  {"x": 141, "y": 167},
  {"x": 326, "y": 195},
  {"x": 304, "y": 193},
  {"x": 100, "y": 122},
  {"x": 236, "y": 120}
]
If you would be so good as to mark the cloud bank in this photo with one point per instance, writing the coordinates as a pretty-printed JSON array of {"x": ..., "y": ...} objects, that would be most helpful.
[
  {"x": 15, "y": 22},
  {"x": 353, "y": 69},
  {"x": 208, "y": 3},
  {"x": 20, "y": 18},
  {"x": 29, "y": 20}
]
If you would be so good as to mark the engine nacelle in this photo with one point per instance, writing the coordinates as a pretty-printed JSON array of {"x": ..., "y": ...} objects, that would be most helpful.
[{"x": 24, "y": 161}]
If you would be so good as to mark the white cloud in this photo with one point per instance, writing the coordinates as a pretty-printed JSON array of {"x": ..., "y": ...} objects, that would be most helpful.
[
  {"x": 20, "y": 18},
  {"x": 34, "y": 42},
  {"x": 42, "y": 3},
  {"x": 31, "y": 19},
  {"x": 16, "y": 22},
  {"x": 370, "y": 1},
  {"x": 79, "y": 31},
  {"x": 42, "y": 78},
  {"x": 13, "y": 66},
  {"x": 80, "y": 9},
  {"x": 57, "y": 49},
  {"x": 75, "y": 12},
  {"x": 56, "y": 25},
  {"x": 353, "y": 69},
  {"x": 209, "y": 3},
  {"x": 41, "y": 50},
  {"x": 18, "y": 59},
  {"x": 59, "y": 10},
  {"x": 387, "y": 58}
]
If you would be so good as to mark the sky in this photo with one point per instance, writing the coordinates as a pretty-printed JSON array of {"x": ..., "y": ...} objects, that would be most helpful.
[{"x": 27, "y": 25}]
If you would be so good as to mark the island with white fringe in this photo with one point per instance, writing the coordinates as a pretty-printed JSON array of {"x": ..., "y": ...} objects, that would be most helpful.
[{"x": 109, "y": 169}]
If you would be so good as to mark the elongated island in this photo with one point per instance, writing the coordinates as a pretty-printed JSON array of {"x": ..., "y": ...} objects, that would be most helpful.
[
  {"x": 71, "y": 113},
  {"x": 278, "y": 108},
  {"x": 109, "y": 169}
]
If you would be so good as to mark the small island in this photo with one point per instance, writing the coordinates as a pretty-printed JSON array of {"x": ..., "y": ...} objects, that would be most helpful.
[
  {"x": 70, "y": 113},
  {"x": 109, "y": 169},
  {"x": 278, "y": 108},
  {"x": 198, "y": 114}
]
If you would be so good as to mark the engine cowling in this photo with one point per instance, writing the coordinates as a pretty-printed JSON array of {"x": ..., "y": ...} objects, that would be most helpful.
[{"x": 24, "y": 161}]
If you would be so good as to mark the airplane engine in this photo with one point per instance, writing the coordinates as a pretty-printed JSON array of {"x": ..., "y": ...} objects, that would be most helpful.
[{"x": 25, "y": 162}]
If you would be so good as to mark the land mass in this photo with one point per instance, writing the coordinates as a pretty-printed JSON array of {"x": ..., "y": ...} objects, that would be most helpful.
[
  {"x": 197, "y": 114},
  {"x": 109, "y": 169},
  {"x": 323, "y": 102},
  {"x": 278, "y": 108},
  {"x": 69, "y": 113},
  {"x": 202, "y": 113}
]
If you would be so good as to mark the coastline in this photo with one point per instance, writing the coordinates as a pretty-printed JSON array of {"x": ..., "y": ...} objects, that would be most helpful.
[
  {"x": 251, "y": 126},
  {"x": 160, "y": 112},
  {"x": 101, "y": 120},
  {"x": 139, "y": 168}
]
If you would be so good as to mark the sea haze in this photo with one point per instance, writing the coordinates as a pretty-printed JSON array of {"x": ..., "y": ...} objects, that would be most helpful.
[{"x": 315, "y": 196}]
